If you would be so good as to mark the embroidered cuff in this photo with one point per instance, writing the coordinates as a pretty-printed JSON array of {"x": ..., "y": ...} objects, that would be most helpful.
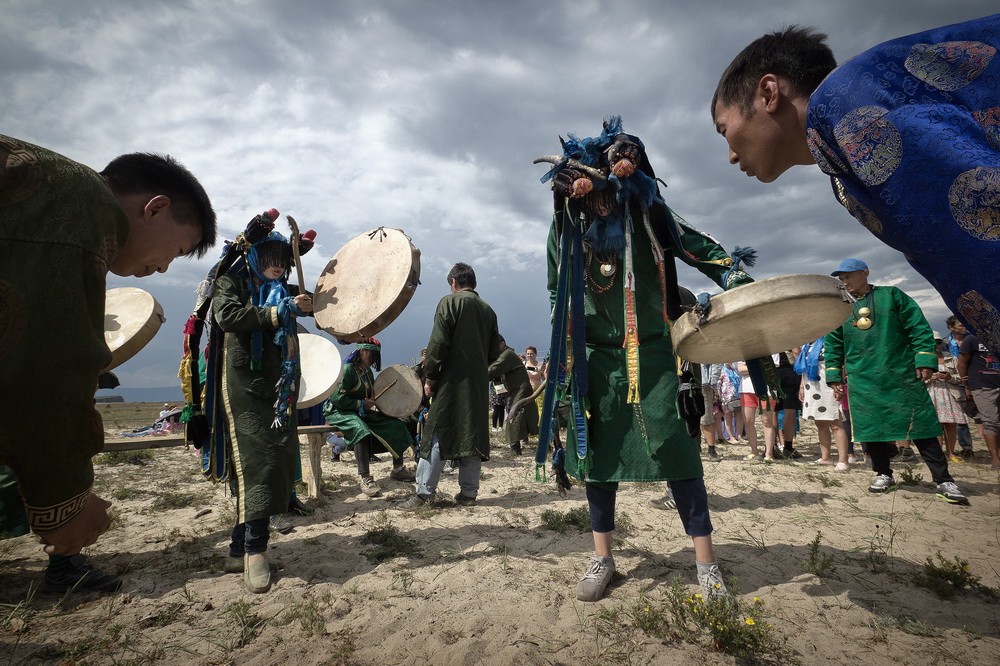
[{"x": 51, "y": 518}]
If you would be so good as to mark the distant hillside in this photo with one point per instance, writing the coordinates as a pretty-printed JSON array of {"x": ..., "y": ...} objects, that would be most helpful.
[{"x": 171, "y": 394}]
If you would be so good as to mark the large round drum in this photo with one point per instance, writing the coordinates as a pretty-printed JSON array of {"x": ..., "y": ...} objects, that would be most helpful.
[
  {"x": 131, "y": 319},
  {"x": 762, "y": 318},
  {"x": 321, "y": 367},
  {"x": 366, "y": 284},
  {"x": 398, "y": 391}
]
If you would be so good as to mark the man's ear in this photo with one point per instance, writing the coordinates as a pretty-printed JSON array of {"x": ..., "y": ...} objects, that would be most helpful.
[
  {"x": 156, "y": 205},
  {"x": 769, "y": 89}
]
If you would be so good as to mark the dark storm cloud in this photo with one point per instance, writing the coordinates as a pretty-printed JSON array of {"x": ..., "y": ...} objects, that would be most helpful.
[{"x": 425, "y": 116}]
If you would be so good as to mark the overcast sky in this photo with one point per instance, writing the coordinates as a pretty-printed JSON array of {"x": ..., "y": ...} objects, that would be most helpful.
[{"x": 425, "y": 116}]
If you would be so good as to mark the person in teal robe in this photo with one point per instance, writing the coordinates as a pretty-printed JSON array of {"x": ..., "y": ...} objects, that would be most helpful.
[
  {"x": 509, "y": 369},
  {"x": 605, "y": 192},
  {"x": 352, "y": 411},
  {"x": 63, "y": 227},
  {"x": 887, "y": 349},
  {"x": 254, "y": 308}
]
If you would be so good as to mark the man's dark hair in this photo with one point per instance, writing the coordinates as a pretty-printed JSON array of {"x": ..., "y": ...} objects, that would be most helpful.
[
  {"x": 796, "y": 53},
  {"x": 532, "y": 348},
  {"x": 950, "y": 321},
  {"x": 152, "y": 174},
  {"x": 463, "y": 275}
]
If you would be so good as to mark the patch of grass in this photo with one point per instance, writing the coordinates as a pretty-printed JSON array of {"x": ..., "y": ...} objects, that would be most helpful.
[
  {"x": 310, "y": 616},
  {"x": 243, "y": 625},
  {"x": 387, "y": 542},
  {"x": 908, "y": 477},
  {"x": 402, "y": 581},
  {"x": 512, "y": 518},
  {"x": 917, "y": 627},
  {"x": 878, "y": 557},
  {"x": 825, "y": 480},
  {"x": 725, "y": 623},
  {"x": 576, "y": 520},
  {"x": 946, "y": 578},
  {"x": 818, "y": 563},
  {"x": 174, "y": 500},
  {"x": 127, "y": 492},
  {"x": 140, "y": 457}
]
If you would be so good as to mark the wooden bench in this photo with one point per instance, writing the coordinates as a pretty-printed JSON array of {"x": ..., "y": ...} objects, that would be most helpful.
[{"x": 311, "y": 440}]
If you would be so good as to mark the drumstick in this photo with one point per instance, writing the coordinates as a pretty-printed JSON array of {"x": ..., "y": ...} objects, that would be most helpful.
[
  {"x": 295, "y": 253},
  {"x": 382, "y": 392}
]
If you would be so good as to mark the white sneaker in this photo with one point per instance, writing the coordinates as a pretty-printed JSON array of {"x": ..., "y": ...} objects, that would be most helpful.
[
  {"x": 599, "y": 572},
  {"x": 712, "y": 585},
  {"x": 883, "y": 483},
  {"x": 950, "y": 493}
]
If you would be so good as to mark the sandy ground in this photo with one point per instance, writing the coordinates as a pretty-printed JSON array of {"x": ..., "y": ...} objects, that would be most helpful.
[{"x": 491, "y": 584}]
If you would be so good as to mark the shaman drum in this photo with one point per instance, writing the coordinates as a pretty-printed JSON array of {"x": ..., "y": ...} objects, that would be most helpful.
[
  {"x": 398, "y": 391},
  {"x": 762, "y": 318},
  {"x": 321, "y": 367},
  {"x": 366, "y": 284},
  {"x": 131, "y": 319}
]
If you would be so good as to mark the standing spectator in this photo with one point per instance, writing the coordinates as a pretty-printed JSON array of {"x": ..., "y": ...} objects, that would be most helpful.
[
  {"x": 887, "y": 349},
  {"x": 464, "y": 342},
  {"x": 789, "y": 404},
  {"x": 509, "y": 369},
  {"x": 821, "y": 405},
  {"x": 63, "y": 227},
  {"x": 979, "y": 369},
  {"x": 710, "y": 373},
  {"x": 536, "y": 374},
  {"x": 498, "y": 404},
  {"x": 945, "y": 388},
  {"x": 752, "y": 404},
  {"x": 729, "y": 398},
  {"x": 957, "y": 333}
]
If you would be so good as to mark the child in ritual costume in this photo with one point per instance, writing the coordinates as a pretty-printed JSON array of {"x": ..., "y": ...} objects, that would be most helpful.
[
  {"x": 352, "y": 411},
  {"x": 614, "y": 289},
  {"x": 251, "y": 389}
]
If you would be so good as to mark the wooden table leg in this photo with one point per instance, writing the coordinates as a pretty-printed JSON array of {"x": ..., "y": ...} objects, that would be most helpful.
[{"x": 311, "y": 471}]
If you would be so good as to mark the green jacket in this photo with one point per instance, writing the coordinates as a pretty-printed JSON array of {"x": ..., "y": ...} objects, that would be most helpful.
[
  {"x": 60, "y": 228},
  {"x": 464, "y": 342},
  {"x": 887, "y": 400}
]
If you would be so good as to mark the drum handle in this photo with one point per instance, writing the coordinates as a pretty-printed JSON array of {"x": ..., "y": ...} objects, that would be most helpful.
[
  {"x": 847, "y": 296},
  {"x": 295, "y": 253},
  {"x": 382, "y": 392}
]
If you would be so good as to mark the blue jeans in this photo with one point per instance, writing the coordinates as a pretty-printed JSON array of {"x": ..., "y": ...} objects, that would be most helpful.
[
  {"x": 429, "y": 473},
  {"x": 250, "y": 538}
]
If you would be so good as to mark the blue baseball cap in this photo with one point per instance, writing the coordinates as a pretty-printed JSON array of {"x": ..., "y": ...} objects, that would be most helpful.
[{"x": 850, "y": 265}]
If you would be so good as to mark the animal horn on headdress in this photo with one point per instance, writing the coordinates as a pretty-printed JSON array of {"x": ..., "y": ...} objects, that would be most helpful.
[
  {"x": 596, "y": 174},
  {"x": 622, "y": 166}
]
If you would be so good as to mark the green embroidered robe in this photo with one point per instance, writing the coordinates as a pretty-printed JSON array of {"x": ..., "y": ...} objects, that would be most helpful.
[{"x": 341, "y": 410}]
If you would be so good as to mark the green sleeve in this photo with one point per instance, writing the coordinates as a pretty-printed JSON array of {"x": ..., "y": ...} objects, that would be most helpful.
[
  {"x": 833, "y": 355},
  {"x": 440, "y": 342},
  {"x": 916, "y": 328},
  {"x": 346, "y": 398},
  {"x": 235, "y": 314},
  {"x": 503, "y": 364},
  {"x": 704, "y": 253}
]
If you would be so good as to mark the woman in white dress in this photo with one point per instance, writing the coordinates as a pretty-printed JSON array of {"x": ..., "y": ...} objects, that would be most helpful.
[
  {"x": 820, "y": 405},
  {"x": 945, "y": 388}
]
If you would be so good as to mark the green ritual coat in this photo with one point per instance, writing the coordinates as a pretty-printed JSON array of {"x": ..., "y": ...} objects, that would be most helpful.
[
  {"x": 60, "y": 228},
  {"x": 342, "y": 410},
  {"x": 509, "y": 369},
  {"x": 888, "y": 401},
  {"x": 263, "y": 458},
  {"x": 617, "y": 448},
  {"x": 464, "y": 342}
]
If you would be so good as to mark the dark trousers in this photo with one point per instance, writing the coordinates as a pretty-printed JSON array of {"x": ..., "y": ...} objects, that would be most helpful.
[
  {"x": 250, "y": 537},
  {"x": 363, "y": 453},
  {"x": 689, "y": 494},
  {"x": 498, "y": 413},
  {"x": 930, "y": 451}
]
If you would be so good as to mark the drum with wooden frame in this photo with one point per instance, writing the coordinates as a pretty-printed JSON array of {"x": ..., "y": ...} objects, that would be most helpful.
[
  {"x": 321, "y": 367},
  {"x": 762, "y": 318},
  {"x": 366, "y": 284},
  {"x": 131, "y": 319},
  {"x": 398, "y": 391}
]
